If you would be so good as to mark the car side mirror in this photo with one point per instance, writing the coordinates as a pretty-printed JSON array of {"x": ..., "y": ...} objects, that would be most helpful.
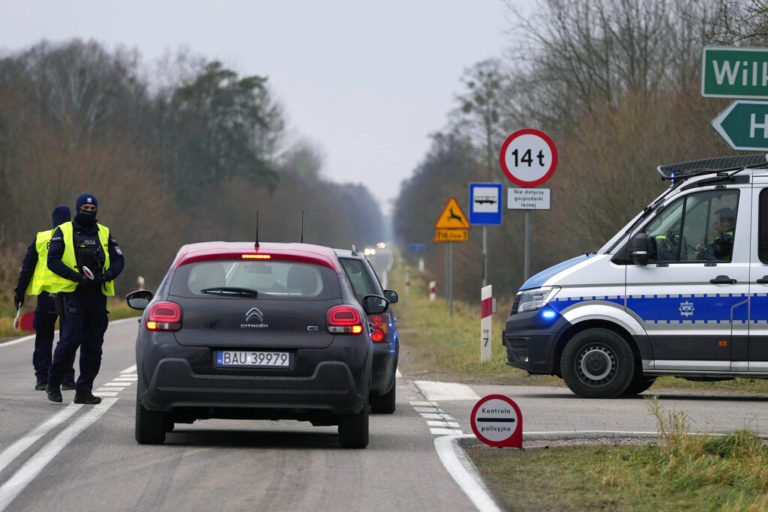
[
  {"x": 139, "y": 299},
  {"x": 638, "y": 249},
  {"x": 375, "y": 304},
  {"x": 391, "y": 296}
]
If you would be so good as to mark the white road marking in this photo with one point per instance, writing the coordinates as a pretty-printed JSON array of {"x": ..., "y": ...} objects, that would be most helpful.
[
  {"x": 441, "y": 391},
  {"x": 130, "y": 369},
  {"x": 17, "y": 448},
  {"x": 37, "y": 462},
  {"x": 101, "y": 393},
  {"x": 451, "y": 424},
  {"x": 446, "y": 431},
  {"x": 122, "y": 385},
  {"x": 464, "y": 472}
]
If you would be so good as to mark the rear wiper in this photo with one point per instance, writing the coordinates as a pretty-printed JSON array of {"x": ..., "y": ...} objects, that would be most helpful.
[{"x": 231, "y": 290}]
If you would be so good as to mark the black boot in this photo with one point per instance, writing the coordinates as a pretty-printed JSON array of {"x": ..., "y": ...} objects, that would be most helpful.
[
  {"x": 54, "y": 393},
  {"x": 86, "y": 397}
]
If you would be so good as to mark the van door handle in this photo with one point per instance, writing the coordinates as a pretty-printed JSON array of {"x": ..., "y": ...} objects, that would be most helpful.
[
  {"x": 763, "y": 280},
  {"x": 722, "y": 280}
]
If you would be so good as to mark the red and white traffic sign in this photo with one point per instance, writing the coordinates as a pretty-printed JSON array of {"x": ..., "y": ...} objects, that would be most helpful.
[
  {"x": 497, "y": 421},
  {"x": 528, "y": 157}
]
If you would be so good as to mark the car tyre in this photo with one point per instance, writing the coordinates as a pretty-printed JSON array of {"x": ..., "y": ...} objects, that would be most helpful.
[
  {"x": 150, "y": 425},
  {"x": 598, "y": 363},
  {"x": 639, "y": 384},
  {"x": 353, "y": 429},
  {"x": 386, "y": 403}
]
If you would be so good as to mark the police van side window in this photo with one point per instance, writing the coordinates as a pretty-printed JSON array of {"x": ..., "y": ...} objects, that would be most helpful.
[
  {"x": 696, "y": 228},
  {"x": 762, "y": 226}
]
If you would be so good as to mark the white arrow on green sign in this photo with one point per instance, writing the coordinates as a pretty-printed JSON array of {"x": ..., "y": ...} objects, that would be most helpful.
[
  {"x": 744, "y": 125},
  {"x": 729, "y": 72}
]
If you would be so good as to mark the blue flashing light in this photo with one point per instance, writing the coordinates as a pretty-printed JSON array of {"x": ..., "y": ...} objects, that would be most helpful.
[{"x": 548, "y": 314}]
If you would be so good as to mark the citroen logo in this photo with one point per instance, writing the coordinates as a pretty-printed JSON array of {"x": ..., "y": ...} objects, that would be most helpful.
[{"x": 254, "y": 315}]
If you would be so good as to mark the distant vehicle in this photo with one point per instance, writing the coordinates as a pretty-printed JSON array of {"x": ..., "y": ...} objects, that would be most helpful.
[
  {"x": 369, "y": 251},
  {"x": 381, "y": 245},
  {"x": 386, "y": 339},
  {"x": 681, "y": 290},
  {"x": 268, "y": 332}
]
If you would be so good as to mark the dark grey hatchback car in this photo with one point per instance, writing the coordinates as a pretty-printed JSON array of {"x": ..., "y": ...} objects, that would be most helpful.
[{"x": 268, "y": 332}]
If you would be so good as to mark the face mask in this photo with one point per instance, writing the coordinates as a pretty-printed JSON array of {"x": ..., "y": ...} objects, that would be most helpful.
[{"x": 85, "y": 218}]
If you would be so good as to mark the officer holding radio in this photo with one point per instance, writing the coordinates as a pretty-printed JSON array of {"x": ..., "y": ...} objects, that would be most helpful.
[{"x": 85, "y": 254}]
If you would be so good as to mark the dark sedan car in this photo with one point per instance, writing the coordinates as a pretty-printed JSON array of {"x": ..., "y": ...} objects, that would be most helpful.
[
  {"x": 386, "y": 339},
  {"x": 273, "y": 331}
]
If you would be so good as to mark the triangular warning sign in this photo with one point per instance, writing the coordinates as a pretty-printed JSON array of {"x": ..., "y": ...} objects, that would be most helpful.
[{"x": 452, "y": 217}]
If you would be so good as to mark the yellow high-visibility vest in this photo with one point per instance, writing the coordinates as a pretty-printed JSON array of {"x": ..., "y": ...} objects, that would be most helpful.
[
  {"x": 68, "y": 258},
  {"x": 43, "y": 279}
]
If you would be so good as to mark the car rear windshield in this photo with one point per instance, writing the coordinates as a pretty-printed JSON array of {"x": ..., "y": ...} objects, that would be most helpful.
[{"x": 255, "y": 278}]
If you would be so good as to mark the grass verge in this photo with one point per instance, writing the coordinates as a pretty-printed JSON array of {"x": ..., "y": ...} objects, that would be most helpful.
[{"x": 678, "y": 472}]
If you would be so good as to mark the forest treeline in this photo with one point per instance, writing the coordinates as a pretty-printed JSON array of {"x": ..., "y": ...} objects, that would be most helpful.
[
  {"x": 616, "y": 85},
  {"x": 191, "y": 154}
]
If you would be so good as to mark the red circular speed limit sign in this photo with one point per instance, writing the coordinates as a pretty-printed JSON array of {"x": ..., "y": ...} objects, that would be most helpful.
[
  {"x": 497, "y": 421},
  {"x": 528, "y": 157}
]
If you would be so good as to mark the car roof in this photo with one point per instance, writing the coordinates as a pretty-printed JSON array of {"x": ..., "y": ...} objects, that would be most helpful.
[{"x": 306, "y": 253}]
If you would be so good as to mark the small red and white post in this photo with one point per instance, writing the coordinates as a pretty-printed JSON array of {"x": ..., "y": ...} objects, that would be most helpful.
[
  {"x": 432, "y": 290},
  {"x": 486, "y": 322},
  {"x": 407, "y": 282}
]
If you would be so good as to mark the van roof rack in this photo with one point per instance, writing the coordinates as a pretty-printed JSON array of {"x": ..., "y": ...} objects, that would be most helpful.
[{"x": 685, "y": 170}]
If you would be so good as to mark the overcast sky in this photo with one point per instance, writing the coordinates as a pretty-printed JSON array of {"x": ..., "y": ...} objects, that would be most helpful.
[{"x": 366, "y": 81}]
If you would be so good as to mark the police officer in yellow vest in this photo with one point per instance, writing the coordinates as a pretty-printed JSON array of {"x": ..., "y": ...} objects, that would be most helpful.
[
  {"x": 36, "y": 279},
  {"x": 87, "y": 257}
]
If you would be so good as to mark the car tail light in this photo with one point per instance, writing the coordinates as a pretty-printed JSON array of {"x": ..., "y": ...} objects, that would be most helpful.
[
  {"x": 380, "y": 328},
  {"x": 344, "y": 320},
  {"x": 164, "y": 316}
]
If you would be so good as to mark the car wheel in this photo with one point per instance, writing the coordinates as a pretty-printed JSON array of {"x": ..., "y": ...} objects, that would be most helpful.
[
  {"x": 353, "y": 429},
  {"x": 150, "y": 425},
  {"x": 597, "y": 363},
  {"x": 639, "y": 384},
  {"x": 386, "y": 403}
]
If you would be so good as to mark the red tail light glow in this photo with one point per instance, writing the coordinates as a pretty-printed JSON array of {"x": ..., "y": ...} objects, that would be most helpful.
[
  {"x": 164, "y": 316},
  {"x": 380, "y": 328},
  {"x": 344, "y": 320}
]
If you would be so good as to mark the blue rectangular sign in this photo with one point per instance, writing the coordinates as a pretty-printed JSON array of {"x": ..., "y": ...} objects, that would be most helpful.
[{"x": 485, "y": 204}]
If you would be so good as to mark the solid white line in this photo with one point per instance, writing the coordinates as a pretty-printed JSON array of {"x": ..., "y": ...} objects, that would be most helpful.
[
  {"x": 446, "y": 431},
  {"x": 17, "y": 448},
  {"x": 37, "y": 463},
  {"x": 464, "y": 472}
]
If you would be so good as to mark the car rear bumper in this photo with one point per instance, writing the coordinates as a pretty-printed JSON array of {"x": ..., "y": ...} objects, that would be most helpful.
[{"x": 330, "y": 388}]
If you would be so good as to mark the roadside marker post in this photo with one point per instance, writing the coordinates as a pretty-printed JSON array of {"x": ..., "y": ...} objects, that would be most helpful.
[
  {"x": 497, "y": 421},
  {"x": 432, "y": 291},
  {"x": 486, "y": 322}
]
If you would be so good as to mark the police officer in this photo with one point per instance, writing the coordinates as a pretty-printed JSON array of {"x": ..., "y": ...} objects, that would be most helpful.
[
  {"x": 721, "y": 246},
  {"x": 36, "y": 279},
  {"x": 88, "y": 258}
]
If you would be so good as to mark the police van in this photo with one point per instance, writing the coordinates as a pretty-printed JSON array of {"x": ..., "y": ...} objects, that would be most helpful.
[{"x": 681, "y": 290}]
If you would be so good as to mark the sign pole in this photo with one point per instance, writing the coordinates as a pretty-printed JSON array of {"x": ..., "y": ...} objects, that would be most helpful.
[
  {"x": 527, "y": 258},
  {"x": 485, "y": 255},
  {"x": 450, "y": 279}
]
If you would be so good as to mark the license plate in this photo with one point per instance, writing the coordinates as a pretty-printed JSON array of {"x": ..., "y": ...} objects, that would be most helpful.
[{"x": 252, "y": 359}]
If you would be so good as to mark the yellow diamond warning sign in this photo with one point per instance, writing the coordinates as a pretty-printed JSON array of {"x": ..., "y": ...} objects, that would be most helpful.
[{"x": 452, "y": 217}]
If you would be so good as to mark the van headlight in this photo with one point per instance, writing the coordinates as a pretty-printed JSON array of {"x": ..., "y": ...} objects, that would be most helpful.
[{"x": 537, "y": 298}]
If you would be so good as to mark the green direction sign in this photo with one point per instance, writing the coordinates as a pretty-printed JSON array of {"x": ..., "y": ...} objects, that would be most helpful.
[
  {"x": 734, "y": 73},
  {"x": 744, "y": 125}
]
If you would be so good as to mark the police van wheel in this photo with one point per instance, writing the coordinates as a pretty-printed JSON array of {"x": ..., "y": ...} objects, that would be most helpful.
[
  {"x": 639, "y": 385},
  {"x": 597, "y": 363}
]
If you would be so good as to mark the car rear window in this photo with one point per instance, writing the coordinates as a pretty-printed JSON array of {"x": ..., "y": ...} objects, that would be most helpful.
[{"x": 270, "y": 279}]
